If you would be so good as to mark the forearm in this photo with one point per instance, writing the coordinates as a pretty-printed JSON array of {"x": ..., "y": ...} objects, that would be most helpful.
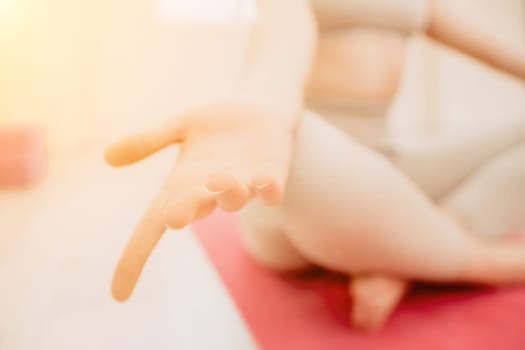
[
  {"x": 458, "y": 31},
  {"x": 280, "y": 55}
]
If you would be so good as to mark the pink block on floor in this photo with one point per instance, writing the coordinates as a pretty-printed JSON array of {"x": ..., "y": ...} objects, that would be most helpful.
[
  {"x": 311, "y": 312},
  {"x": 22, "y": 156}
]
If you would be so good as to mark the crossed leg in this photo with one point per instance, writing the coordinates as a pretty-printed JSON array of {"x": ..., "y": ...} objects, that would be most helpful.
[
  {"x": 491, "y": 203},
  {"x": 264, "y": 236},
  {"x": 374, "y": 296},
  {"x": 441, "y": 167},
  {"x": 414, "y": 240}
]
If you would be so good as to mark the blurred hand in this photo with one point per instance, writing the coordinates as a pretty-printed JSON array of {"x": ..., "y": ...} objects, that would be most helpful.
[{"x": 229, "y": 153}]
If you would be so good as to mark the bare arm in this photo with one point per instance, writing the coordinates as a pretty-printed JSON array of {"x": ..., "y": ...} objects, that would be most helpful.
[
  {"x": 458, "y": 31},
  {"x": 221, "y": 162},
  {"x": 280, "y": 55}
]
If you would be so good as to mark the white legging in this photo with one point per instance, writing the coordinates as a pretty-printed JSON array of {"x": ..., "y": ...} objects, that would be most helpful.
[{"x": 349, "y": 208}]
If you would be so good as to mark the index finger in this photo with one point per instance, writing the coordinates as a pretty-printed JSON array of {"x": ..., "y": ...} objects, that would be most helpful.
[{"x": 138, "y": 249}]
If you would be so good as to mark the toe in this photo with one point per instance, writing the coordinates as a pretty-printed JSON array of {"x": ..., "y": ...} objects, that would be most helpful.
[
  {"x": 375, "y": 298},
  {"x": 369, "y": 312},
  {"x": 379, "y": 311},
  {"x": 359, "y": 315}
]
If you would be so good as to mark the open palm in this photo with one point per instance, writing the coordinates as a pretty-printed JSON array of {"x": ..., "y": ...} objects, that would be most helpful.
[{"x": 229, "y": 154}]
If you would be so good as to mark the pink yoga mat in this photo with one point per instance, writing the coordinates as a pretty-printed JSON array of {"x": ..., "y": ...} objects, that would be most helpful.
[{"x": 311, "y": 312}]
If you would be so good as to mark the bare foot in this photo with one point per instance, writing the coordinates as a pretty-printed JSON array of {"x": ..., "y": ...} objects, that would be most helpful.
[
  {"x": 229, "y": 154},
  {"x": 375, "y": 298}
]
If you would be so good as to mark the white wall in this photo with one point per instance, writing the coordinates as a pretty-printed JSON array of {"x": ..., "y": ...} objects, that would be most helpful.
[{"x": 93, "y": 70}]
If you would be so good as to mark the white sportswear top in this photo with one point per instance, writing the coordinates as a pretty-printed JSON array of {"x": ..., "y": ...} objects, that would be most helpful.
[{"x": 403, "y": 15}]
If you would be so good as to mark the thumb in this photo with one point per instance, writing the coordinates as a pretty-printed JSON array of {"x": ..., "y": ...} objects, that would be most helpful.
[{"x": 139, "y": 146}]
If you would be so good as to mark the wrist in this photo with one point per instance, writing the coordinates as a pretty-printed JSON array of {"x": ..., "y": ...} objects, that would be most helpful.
[{"x": 281, "y": 105}]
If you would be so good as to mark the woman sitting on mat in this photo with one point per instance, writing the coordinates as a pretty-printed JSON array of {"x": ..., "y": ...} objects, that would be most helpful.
[{"x": 303, "y": 149}]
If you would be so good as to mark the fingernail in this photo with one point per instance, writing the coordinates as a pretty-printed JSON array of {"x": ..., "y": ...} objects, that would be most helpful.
[
  {"x": 262, "y": 187},
  {"x": 178, "y": 221},
  {"x": 214, "y": 192}
]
